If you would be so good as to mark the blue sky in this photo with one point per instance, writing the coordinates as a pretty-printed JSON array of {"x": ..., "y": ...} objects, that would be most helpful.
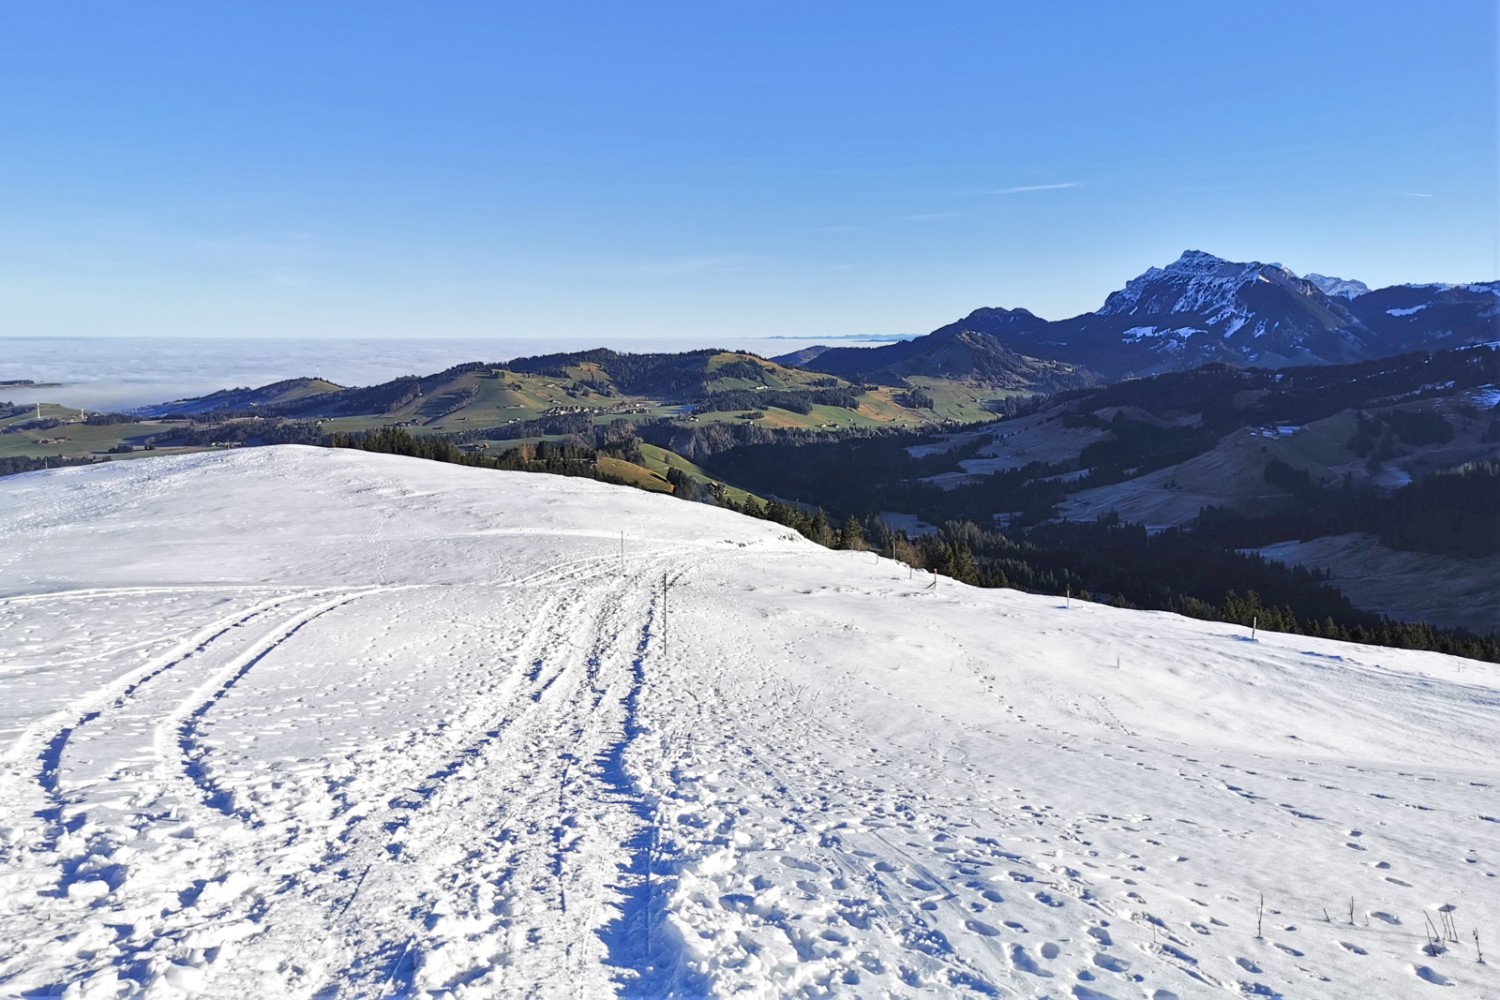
[{"x": 716, "y": 171}]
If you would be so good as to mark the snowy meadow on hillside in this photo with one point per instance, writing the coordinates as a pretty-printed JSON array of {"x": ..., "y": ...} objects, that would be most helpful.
[{"x": 306, "y": 723}]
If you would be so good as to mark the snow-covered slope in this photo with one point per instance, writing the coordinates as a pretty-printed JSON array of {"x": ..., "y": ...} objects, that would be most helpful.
[{"x": 290, "y": 722}]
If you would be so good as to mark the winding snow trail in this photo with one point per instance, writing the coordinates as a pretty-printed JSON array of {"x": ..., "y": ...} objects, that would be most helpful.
[{"x": 290, "y": 722}]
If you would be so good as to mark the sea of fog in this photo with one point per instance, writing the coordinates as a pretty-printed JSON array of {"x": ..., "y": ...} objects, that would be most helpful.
[{"x": 119, "y": 373}]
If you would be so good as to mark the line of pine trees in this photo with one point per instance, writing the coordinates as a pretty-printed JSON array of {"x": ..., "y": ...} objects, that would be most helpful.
[
  {"x": 11, "y": 465},
  {"x": 559, "y": 458}
]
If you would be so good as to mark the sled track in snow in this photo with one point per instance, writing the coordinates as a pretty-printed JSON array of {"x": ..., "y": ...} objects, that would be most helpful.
[
  {"x": 50, "y": 755},
  {"x": 126, "y": 756},
  {"x": 475, "y": 717},
  {"x": 88, "y": 593},
  {"x": 193, "y": 753},
  {"x": 544, "y": 731}
]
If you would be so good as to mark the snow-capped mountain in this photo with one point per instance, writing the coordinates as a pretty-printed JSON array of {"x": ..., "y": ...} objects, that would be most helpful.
[
  {"x": 1344, "y": 288},
  {"x": 293, "y": 722},
  {"x": 1201, "y": 308},
  {"x": 1197, "y": 283}
]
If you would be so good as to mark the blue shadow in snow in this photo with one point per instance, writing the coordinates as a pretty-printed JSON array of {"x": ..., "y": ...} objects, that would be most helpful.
[{"x": 649, "y": 961}]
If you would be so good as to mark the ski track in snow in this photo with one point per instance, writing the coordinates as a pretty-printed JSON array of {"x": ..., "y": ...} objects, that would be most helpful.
[{"x": 297, "y": 723}]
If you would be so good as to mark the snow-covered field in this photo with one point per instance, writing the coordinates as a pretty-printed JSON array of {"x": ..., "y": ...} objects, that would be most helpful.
[{"x": 297, "y": 723}]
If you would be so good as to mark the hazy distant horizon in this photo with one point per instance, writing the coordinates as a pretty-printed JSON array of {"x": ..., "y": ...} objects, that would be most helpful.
[{"x": 121, "y": 372}]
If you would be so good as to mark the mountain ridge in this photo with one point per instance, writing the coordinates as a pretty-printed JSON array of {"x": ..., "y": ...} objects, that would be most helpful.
[
  {"x": 1202, "y": 309},
  {"x": 971, "y": 348}
]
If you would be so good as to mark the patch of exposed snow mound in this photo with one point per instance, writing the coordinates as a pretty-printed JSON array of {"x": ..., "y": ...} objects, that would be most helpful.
[{"x": 296, "y": 723}]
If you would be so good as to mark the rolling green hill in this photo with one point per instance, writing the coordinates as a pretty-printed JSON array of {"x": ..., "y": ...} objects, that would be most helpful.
[{"x": 496, "y": 405}]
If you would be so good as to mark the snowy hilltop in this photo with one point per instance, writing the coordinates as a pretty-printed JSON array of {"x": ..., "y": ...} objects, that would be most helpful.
[{"x": 290, "y": 722}]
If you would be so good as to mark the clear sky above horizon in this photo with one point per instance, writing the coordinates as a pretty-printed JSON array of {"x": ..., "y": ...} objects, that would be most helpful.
[{"x": 716, "y": 171}]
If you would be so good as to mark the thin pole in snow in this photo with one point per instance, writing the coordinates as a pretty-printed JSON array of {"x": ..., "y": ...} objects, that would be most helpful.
[{"x": 1254, "y": 623}]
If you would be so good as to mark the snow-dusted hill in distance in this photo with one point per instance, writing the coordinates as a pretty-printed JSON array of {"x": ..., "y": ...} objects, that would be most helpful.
[
  {"x": 304, "y": 723},
  {"x": 1345, "y": 288}
]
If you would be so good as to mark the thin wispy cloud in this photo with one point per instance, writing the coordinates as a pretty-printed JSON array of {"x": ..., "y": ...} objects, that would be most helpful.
[
  {"x": 1027, "y": 188},
  {"x": 654, "y": 270},
  {"x": 1414, "y": 194}
]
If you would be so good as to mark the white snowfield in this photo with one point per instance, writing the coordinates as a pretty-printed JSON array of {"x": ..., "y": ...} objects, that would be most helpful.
[{"x": 299, "y": 723}]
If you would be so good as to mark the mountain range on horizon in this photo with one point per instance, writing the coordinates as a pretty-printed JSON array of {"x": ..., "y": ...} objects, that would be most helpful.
[
  {"x": 1197, "y": 310},
  {"x": 1200, "y": 309}
]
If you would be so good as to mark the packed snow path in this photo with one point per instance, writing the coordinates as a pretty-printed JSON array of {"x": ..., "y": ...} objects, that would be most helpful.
[{"x": 301, "y": 723}]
